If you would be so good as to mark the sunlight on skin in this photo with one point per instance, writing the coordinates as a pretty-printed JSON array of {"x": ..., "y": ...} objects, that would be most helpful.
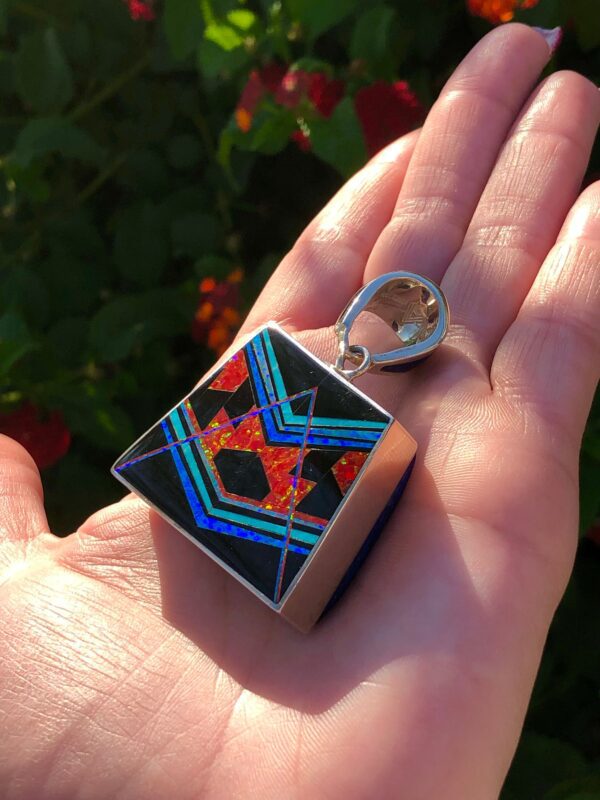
[
  {"x": 12, "y": 570},
  {"x": 134, "y": 667}
]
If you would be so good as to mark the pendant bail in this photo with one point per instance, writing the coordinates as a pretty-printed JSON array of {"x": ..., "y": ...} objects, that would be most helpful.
[{"x": 414, "y": 307}]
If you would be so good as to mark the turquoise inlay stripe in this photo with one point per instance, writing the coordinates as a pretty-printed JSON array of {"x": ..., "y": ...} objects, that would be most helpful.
[
  {"x": 231, "y": 516},
  {"x": 184, "y": 477},
  {"x": 267, "y": 512},
  {"x": 264, "y": 373},
  {"x": 212, "y": 524},
  {"x": 293, "y": 419},
  {"x": 299, "y": 462}
]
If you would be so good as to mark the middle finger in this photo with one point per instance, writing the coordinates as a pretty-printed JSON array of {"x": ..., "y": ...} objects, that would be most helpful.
[{"x": 456, "y": 152}]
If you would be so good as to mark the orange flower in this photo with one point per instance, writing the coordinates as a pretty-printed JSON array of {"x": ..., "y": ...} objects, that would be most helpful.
[
  {"x": 217, "y": 316},
  {"x": 243, "y": 119},
  {"x": 496, "y": 11}
]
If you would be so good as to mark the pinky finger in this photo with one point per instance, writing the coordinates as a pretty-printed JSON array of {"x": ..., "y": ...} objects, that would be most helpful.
[{"x": 549, "y": 360}]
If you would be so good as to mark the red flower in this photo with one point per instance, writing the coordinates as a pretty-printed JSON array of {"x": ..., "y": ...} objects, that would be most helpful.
[
  {"x": 271, "y": 75},
  {"x": 217, "y": 316},
  {"x": 293, "y": 88},
  {"x": 141, "y": 10},
  {"x": 266, "y": 79},
  {"x": 250, "y": 97},
  {"x": 302, "y": 139},
  {"x": 289, "y": 87},
  {"x": 498, "y": 10},
  {"x": 47, "y": 439},
  {"x": 324, "y": 93},
  {"x": 386, "y": 111}
]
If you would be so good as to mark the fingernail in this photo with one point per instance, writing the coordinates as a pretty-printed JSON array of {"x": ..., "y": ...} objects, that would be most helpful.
[{"x": 552, "y": 36}]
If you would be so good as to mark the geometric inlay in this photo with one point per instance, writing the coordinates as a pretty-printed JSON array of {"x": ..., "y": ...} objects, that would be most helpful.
[
  {"x": 256, "y": 461},
  {"x": 242, "y": 473}
]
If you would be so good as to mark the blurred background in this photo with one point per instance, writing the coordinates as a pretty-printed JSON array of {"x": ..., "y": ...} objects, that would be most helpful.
[{"x": 157, "y": 158}]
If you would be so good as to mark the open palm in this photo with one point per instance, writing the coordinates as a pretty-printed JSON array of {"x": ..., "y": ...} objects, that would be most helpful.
[{"x": 133, "y": 667}]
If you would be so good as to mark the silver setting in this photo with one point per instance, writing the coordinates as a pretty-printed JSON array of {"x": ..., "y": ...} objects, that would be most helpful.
[{"x": 414, "y": 307}]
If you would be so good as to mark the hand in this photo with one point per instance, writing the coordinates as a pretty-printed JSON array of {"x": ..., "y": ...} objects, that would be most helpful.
[{"x": 134, "y": 667}]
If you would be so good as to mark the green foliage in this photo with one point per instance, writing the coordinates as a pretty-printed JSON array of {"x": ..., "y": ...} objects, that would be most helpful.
[
  {"x": 42, "y": 73},
  {"x": 320, "y": 17},
  {"x": 183, "y": 26},
  {"x": 338, "y": 140},
  {"x": 126, "y": 178}
]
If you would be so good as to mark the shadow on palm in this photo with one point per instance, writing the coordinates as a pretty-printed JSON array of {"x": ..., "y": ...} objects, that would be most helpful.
[{"x": 409, "y": 600}]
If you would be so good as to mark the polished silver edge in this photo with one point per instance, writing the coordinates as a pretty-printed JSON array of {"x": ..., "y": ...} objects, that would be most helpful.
[
  {"x": 400, "y": 355},
  {"x": 336, "y": 514}
]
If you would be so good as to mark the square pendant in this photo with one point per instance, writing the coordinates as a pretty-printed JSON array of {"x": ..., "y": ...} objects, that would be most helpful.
[{"x": 277, "y": 468}]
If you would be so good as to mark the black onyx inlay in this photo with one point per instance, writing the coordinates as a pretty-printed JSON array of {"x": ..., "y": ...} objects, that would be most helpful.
[
  {"x": 240, "y": 403},
  {"x": 242, "y": 473},
  {"x": 323, "y": 499},
  {"x": 317, "y": 462}
]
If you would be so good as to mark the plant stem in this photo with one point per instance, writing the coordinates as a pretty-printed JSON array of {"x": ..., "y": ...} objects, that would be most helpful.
[
  {"x": 110, "y": 89},
  {"x": 29, "y": 10},
  {"x": 101, "y": 178},
  {"x": 222, "y": 199}
]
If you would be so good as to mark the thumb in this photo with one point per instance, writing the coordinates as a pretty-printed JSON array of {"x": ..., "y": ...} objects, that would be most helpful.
[{"x": 22, "y": 515}]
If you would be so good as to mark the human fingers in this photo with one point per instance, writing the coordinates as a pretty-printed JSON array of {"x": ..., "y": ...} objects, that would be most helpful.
[
  {"x": 534, "y": 183},
  {"x": 548, "y": 362},
  {"x": 325, "y": 266},
  {"x": 455, "y": 155}
]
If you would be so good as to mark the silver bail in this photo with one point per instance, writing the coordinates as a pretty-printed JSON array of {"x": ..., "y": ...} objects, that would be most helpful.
[{"x": 414, "y": 307}]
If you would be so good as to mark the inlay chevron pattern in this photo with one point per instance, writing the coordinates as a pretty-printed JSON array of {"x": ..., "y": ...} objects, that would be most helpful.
[{"x": 256, "y": 461}]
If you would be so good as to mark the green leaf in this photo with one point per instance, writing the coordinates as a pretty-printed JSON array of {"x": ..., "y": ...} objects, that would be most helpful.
[
  {"x": 146, "y": 173},
  {"x": 230, "y": 35},
  {"x": 320, "y": 16},
  {"x": 13, "y": 327},
  {"x": 183, "y": 26},
  {"x": 43, "y": 75},
  {"x": 214, "y": 61},
  {"x": 22, "y": 289},
  {"x": 224, "y": 36},
  {"x": 3, "y": 16},
  {"x": 73, "y": 283},
  {"x": 586, "y": 19},
  {"x": 29, "y": 180},
  {"x": 116, "y": 328},
  {"x": 372, "y": 36},
  {"x": 131, "y": 321},
  {"x": 541, "y": 762},
  {"x": 587, "y": 788},
  {"x": 311, "y": 64},
  {"x": 74, "y": 488},
  {"x": 47, "y": 135},
  {"x": 213, "y": 266},
  {"x": 141, "y": 246},
  {"x": 194, "y": 234},
  {"x": 183, "y": 151},
  {"x": 242, "y": 19},
  {"x": 271, "y": 133},
  {"x": 11, "y": 353},
  {"x": 68, "y": 338},
  {"x": 339, "y": 140},
  {"x": 91, "y": 414},
  {"x": 15, "y": 340},
  {"x": 547, "y": 14}
]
